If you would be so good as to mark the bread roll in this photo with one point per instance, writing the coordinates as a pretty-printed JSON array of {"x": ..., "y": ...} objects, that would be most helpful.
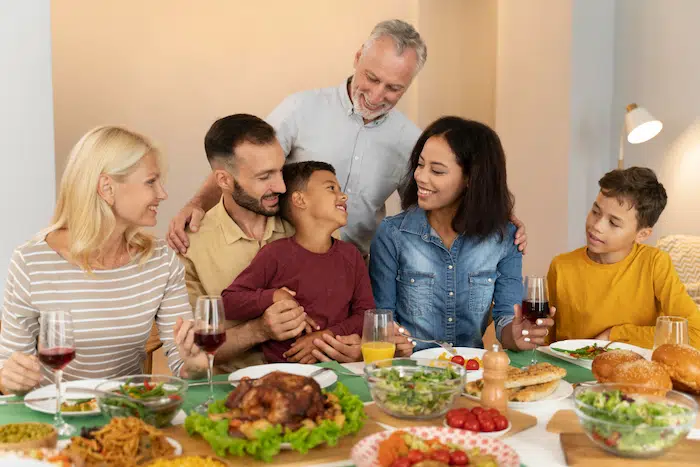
[
  {"x": 643, "y": 376},
  {"x": 682, "y": 363},
  {"x": 604, "y": 365}
]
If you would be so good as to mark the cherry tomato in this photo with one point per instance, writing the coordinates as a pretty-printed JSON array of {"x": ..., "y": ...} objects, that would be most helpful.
[
  {"x": 472, "y": 364},
  {"x": 440, "y": 455},
  {"x": 500, "y": 422},
  {"x": 415, "y": 456},
  {"x": 459, "y": 458},
  {"x": 487, "y": 425},
  {"x": 493, "y": 412},
  {"x": 458, "y": 359},
  {"x": 477, "y": 410},
  {"x": 401, "y": 462},
  {"x": 484, "y": 416},
  {"x": 472, "y": 424},
  {"x": 456, "y": 419},
  {"x": 464, "y": 410}
]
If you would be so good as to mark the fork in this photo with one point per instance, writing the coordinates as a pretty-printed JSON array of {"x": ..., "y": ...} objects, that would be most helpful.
[{"x": 448, "y": 347}]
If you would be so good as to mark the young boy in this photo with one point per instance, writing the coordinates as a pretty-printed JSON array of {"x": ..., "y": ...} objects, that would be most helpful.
[
  {"x": 615, "y": 287},
  {"x": 326, "y": 276}
]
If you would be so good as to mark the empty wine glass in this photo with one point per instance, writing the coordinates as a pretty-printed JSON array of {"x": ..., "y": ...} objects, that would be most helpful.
[
  {"x": 535, "y": 303},
  {"x": 56, "y": 350},
  {"x": 671, "y": 330},
  {"x": 209, "y": 335}
]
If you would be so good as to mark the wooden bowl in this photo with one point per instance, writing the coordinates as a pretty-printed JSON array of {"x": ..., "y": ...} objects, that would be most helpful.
[
  {"x": 216, "y": 460},
  {"x": 47, "y": 441}
]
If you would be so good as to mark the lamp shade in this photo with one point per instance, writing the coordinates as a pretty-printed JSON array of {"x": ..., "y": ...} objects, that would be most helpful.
[{"x": 641, "y": 126}]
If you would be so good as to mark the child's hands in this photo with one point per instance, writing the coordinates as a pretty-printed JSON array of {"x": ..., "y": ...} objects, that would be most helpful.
[
  {"x": 283, "y": 294},
  {"x": 605, "y": 335},
  {"x": 303, "y": 346},
  {"x": 286, "y": 294}
]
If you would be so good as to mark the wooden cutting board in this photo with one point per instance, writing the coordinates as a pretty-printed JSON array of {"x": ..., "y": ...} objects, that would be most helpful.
[
  {"x": 566, "y": 421},
  {"x": 519, "y": 420},
  {"x": 580, "y": 451},
  {"x": 319, "y": 455}
]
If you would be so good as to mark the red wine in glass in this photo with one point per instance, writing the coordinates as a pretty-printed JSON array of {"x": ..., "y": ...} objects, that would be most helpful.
[
  {"x": 57, "y": 358},
  {"x": 534, "y": 310},
  {"x": 209, "y": 341}
]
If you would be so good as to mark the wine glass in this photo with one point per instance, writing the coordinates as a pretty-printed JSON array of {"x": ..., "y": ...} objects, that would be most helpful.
[
  {"x": 378, "y": 336},
  {"x": 56, "y": 350},
  {"x": 671, "y": 330},
  {"x": 209, "y": 335},
  {"x": 535, "y": 303}
]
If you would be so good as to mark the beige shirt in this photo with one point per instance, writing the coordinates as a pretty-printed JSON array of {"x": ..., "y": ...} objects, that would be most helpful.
[
  {"x": 113, "y": 310},
  {"x": 219, "y": 251}
]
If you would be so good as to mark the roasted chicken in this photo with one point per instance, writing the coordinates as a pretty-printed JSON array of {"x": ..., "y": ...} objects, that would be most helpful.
[{"x": 278, "y": 398}]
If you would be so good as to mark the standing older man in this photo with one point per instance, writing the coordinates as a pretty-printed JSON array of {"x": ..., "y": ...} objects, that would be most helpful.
[{"x": 353, "y": 126}]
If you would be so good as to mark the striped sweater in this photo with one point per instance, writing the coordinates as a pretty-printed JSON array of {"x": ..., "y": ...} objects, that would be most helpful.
[{"x": 113, "y": 310}]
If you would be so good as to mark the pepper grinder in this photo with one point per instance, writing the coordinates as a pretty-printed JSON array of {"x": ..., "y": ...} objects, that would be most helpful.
[{"x": 493, "y": 394}]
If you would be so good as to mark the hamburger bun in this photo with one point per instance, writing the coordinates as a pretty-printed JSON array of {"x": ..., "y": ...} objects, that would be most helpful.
[
  {"x": 644, "y": 377},
  {"x": 604, "y": 365},
  {"x": 682, "y": 363}
]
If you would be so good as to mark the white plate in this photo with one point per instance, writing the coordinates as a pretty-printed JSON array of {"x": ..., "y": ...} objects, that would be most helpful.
[
  {"x": 573, "y": 344},
  {"x": 49, "y": 406},
  {"x": 564, "y": 390},
  {"x": 488, "y": 434},
  {"x": 364, "y": 453},
  {"x": 324, "y": 380},
  {"x": 12, "y": 459},
  {"x": 62, "y": 444},
  {"x": 466, "y": 352}
]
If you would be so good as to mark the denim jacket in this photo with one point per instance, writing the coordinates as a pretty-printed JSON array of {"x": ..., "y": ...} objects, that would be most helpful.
[{"x": 443, "y": 294}]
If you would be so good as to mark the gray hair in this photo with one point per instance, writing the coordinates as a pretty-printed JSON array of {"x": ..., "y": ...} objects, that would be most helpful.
[{"x": 404, "y": 36}]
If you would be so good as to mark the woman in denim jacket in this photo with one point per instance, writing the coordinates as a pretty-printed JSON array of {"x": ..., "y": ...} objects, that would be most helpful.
[{"x": 450, "y": 254}]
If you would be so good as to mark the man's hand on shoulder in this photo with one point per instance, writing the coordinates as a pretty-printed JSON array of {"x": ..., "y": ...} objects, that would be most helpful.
[{"x": 192, "y": 215}]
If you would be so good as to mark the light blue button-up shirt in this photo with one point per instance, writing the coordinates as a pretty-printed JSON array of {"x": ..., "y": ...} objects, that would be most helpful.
[
  {"x": 440, "y": 293},
  {"x": 369, "y": 159}
]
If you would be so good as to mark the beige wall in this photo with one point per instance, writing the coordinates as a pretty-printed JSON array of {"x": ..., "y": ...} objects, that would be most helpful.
[
  {"x": 168, "y": 68},
  {"x": 460, "y": 78},
  {"x": 532, "y": 119}
]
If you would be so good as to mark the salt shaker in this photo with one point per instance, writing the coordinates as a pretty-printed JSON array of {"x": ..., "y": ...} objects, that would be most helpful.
[{"x": 493, "y": 394}]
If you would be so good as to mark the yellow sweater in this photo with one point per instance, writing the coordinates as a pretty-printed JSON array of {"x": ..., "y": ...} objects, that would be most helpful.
[{"x": 626, "y": 296}]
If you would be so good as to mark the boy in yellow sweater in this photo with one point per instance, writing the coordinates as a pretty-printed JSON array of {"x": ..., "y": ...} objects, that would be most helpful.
[{"x": 614, "y": 288}]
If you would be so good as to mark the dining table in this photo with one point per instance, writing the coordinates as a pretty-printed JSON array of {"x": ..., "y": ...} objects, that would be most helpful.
[{"x": 535, "y": 446}]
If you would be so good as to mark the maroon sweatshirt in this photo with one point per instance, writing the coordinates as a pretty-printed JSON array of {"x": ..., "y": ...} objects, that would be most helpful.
[{"x": 333, "y": 288}]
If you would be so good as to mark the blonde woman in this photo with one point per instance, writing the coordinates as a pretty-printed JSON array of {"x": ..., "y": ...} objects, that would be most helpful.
[{"x": 95, "y": 261}]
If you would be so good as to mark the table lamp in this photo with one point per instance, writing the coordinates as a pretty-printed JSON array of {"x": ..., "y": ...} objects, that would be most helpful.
[{"x": 639, "y": 127}]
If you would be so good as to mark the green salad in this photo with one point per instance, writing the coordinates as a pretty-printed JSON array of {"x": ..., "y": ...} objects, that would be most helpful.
[
  {"x": 633, "y": 425},
  {"x": 267, "y": 443},
  {"x": 159, "y": 407},
  {"x": 422, "y": 393}
]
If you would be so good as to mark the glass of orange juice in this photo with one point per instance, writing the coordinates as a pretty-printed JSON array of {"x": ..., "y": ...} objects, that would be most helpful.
[{"x": 378, "y": 336}]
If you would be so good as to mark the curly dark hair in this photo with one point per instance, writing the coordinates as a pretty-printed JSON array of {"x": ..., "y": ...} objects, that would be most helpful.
[
  {"x": 639, "y": 187},
  {"x": 486, "y": 204}
]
